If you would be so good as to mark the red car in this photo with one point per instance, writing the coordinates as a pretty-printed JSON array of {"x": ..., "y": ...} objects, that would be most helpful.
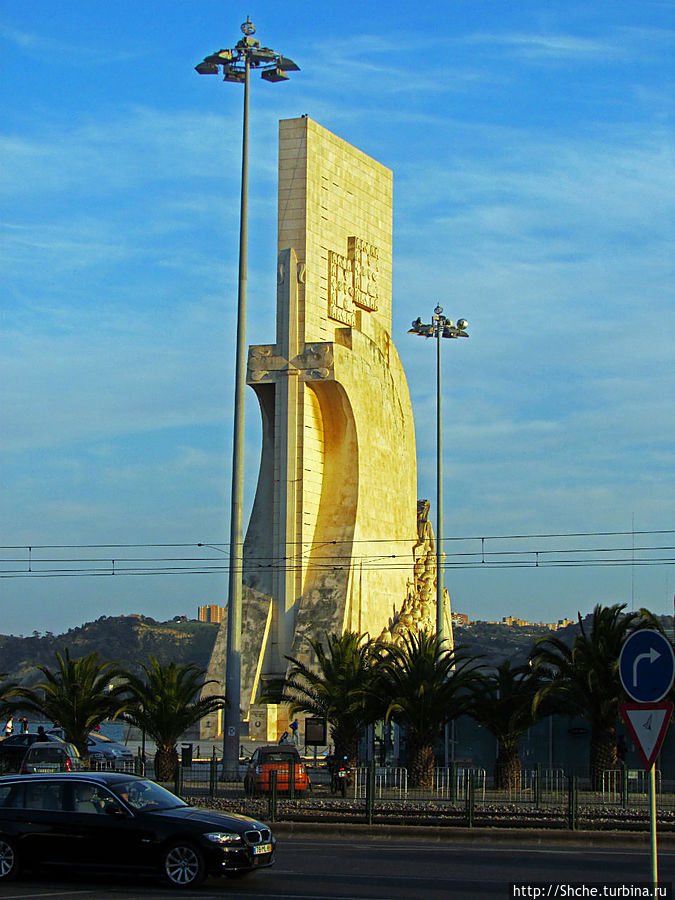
[{"x": 283, "y": 759}]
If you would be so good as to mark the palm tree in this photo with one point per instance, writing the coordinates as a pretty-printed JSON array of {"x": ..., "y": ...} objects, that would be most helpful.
[
  {"x": 79, "y": 694},
  {"x": 584, "y": 678},
  {"x": 423, "y": 686},
  {"x": 334, "y": 688},
  {"x": 502, "y": 702},
  {"x": 165, "y": 703}
]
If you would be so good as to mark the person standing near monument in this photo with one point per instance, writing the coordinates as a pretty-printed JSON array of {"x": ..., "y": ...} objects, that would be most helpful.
[
  {"x": 294, "y": 731},
  {"x": 9, "y": 727}
]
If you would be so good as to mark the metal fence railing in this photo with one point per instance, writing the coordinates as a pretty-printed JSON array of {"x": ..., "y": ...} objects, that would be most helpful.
[
  {"x": 542, "y": 798},
  {"x": 390, "y": 782},
  {"x": 618, "y": 785}
]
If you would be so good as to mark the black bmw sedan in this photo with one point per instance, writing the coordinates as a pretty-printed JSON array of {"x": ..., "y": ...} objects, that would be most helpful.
[{"x": 110, "y": 820}]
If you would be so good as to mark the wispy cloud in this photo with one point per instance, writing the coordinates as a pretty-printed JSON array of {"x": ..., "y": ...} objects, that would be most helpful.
[
  {"x": 37, "y": 45},
  {"x": 537, "y": 46}
]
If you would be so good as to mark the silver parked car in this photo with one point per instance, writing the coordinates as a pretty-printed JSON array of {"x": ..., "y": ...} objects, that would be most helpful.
[
  {"x": 105, "y": 753},
  {"x": 109, "y": 753},
  {"x": 45, "y": 757}
]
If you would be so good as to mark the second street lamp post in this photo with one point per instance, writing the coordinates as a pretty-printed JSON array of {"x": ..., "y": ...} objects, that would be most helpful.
[
  {"x": 439, "y": 327},
  {"x": 236, "y": 65}
]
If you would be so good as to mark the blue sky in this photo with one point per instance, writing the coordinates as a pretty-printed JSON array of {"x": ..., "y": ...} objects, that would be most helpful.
[{"x": 532, "y": 151}]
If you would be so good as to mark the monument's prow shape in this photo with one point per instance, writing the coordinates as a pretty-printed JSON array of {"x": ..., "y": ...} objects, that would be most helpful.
[{"x": 329, "y": 545}]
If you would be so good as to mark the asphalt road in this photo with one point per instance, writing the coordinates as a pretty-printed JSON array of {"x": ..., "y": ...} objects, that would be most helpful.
[{"x": 393, "y": 869}]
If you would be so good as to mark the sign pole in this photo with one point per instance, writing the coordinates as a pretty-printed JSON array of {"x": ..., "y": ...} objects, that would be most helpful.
[
  {"x": 652, "y": 824},
  {"x": 647, "y": 672}
]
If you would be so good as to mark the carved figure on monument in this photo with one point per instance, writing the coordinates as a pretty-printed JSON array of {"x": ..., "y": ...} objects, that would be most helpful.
[
  {"x": 327, "y": 535},
  {"x": 418, "y": 612}
]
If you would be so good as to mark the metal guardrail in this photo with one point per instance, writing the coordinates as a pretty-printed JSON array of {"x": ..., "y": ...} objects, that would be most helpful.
[
  {"x": 122, "y": 765},
  {"x": 619, "y": 784},
  {"x": 452, "y": 782},
  {"x": 390, "y": 781}
]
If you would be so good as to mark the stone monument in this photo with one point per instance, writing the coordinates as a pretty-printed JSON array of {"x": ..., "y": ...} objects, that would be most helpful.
[{"x": 333, "y": 542}]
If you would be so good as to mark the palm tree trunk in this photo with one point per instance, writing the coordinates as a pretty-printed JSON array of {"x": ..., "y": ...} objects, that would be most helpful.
[
  {"x": 421, "y": 767},
  {"x": 507, "y": 767},
  {"x": 603, "y": 755},
  {"x": 166, "y": 763},
  {"x": 346, "y": 747}
]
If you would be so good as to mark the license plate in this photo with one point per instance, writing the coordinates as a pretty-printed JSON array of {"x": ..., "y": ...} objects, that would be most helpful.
[{"x": 262, "y": 848}]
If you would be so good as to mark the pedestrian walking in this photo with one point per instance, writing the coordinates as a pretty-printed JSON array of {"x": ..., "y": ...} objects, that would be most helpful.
[
  {"x": 9, "y": 727},
  {"x": 294, "y": 731}
]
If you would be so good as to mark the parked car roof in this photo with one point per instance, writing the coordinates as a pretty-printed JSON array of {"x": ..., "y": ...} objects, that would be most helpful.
[
  {"x": 279, "y": 748},
  {"x": 107, "y": 777}
]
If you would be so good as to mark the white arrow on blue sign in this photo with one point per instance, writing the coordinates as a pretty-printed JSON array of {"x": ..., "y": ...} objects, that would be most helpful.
[{"x": 647, "y": 666}]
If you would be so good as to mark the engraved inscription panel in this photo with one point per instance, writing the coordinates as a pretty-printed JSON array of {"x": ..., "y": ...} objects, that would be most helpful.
[
  {"x": 340, "y": 288},
  {"x": 365, "y": 261},
  {"x": 352, "y": 279}
]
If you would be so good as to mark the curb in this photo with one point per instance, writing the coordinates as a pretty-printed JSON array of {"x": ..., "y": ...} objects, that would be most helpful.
[{"x": 321, "y": 830}]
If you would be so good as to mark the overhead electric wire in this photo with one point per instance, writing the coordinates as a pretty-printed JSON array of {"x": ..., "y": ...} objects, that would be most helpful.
[
  {"x": 217, "y": 545},
  {"x": 308, "y": 557}
]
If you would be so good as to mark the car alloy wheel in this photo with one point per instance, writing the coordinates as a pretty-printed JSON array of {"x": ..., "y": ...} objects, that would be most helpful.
[
  {"x": 9, "y": 861},
  {"x": 184, "y": 865}
]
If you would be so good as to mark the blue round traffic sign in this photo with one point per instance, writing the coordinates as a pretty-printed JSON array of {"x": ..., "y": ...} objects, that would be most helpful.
[{"x": 647, "y": 666}]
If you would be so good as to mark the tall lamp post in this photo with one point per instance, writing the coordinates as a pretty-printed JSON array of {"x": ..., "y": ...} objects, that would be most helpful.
[
  {"x": 439, "y": 327},
  {"x": 236, "y": 65}
]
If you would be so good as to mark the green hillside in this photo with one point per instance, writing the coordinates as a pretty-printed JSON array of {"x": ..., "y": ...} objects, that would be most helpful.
[
  {"x": 128, "y": 640},
  {"x": 495, "y": 642}
]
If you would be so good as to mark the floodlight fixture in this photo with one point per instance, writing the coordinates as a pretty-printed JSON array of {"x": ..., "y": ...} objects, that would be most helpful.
[
  {"x": 287, "y": 64},
  {"x": 248, "y": 54},
  {"x": 263, "y": 55},
  {"x": 275, "y": 74},
  {"x": 236, "y": 76},
  {"x": 207, "y": 68}
]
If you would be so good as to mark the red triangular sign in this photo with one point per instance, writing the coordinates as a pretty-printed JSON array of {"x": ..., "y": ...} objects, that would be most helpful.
[{"x": 647, "y": 724}]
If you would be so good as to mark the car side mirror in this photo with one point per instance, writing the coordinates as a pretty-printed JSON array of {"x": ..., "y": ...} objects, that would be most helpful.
[{"x": 112, "y": 809}]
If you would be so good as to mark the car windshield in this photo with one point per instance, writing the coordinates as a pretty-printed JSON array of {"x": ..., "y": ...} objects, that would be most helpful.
[
  {"x": 277, "y": 757},
  {"x": 146, "y": 796}
]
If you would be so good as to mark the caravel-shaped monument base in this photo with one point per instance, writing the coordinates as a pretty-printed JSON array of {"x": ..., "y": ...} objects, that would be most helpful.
[{"x": 333, "y": 542}]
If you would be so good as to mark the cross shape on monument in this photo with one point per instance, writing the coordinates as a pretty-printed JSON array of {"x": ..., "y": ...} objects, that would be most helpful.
[{"x": 313, "y": 363}]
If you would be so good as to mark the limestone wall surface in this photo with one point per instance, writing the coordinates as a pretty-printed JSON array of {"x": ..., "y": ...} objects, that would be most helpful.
[{"x": 329, "y": 546}]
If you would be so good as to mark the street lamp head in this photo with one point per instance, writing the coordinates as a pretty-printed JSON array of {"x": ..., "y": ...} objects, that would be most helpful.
[
  {"x": 287, "y": 65},
  {"x": 262, "y": 56},
  {"x": 248, "y": 53},
  {"x": 207, "y": 68},
  {"x": 419, "y": 328},
  {"x": 462, "y": 324},
  {"x": 222, "y": 56},
  {"x": 275, "y": 74},
  {"x": 232, "y": 74}
]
